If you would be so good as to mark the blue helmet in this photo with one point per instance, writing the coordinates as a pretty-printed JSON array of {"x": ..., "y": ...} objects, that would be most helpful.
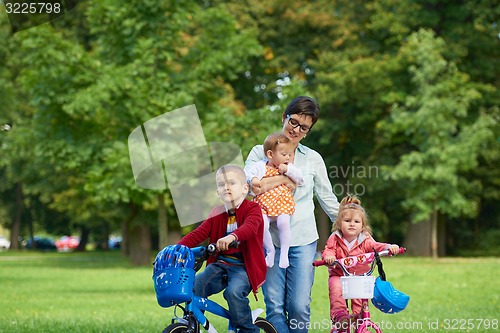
[
  {"x": 387, "y": 299},
  {"x": 174, "y": 256}
]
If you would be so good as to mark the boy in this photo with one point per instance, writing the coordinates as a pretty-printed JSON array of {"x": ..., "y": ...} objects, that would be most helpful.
[{"x": 240, "y": 270}]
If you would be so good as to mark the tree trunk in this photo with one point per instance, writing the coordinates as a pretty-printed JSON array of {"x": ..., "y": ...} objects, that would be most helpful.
[
  {"x": 477, "y": 227},
  {"x": 125, "y": 229},
  {"x": 418, "y": 239},
  {"x": 139, "y": 242},
  {"x": 426, "y": 238},
  {"x": 84, "y": 239},
  {"x": 31, "y": 229},
  {"x": 163, "y": 236},
  {"x": 434, "y": 234},
  {"x": 16, "y": 223},
  {"x": 441, "y": 235}
]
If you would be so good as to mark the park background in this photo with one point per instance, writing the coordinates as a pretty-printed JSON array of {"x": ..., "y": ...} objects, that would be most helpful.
[{"x": 409, "y": 111}]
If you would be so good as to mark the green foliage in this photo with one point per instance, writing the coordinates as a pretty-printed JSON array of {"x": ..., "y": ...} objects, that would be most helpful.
[
  {"x": 410, "y": 88},
  {"x": 445, "y": 137},
  {"x": 364, "y": 82},
  {"x": 86, "y": 95}
]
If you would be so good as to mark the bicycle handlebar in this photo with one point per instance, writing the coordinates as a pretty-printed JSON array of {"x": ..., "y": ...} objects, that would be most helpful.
[
  {"x": 201, "y": 253},
  {"x": 351, "y": 261},
  {"x": 212, "y": 247},
  {"x": 209, "y": 250}
]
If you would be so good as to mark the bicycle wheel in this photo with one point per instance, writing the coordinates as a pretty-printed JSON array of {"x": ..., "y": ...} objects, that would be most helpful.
[
  {"x": 179, "y": 328},
  {"x": 264, "y": 325}
]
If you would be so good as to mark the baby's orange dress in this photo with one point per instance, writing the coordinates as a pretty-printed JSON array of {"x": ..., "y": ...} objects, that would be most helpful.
[{"x": 277, "y": 201}]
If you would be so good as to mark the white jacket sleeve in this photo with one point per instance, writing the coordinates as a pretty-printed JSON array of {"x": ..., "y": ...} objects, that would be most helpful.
[
  {"x": 295, "y": 174},
  {"x": 257, "y": 169}
]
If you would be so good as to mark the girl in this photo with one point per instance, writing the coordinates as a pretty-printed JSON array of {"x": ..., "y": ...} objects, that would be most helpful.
[
  {"x": 351, "y": 236},
  {"x": 277, "y": 203}
]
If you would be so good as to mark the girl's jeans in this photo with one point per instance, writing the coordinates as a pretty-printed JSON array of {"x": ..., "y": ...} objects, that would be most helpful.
[{"x": 287, "y": 291}]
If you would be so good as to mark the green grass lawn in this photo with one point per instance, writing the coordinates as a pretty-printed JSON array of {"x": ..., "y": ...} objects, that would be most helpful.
[{"x": 101, "y": 292}]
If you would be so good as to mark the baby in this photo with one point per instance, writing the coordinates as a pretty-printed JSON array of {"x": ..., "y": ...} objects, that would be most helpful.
[{"x": 278, "y": 203}]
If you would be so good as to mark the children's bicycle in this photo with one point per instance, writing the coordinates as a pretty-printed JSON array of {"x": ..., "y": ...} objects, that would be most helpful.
[
  {"x": 174, "y": 270},
  {"x": 383, "y": 295}
]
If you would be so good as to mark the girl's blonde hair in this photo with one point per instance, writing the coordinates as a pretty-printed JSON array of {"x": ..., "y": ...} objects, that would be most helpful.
[{"x": 351, "y": 202}]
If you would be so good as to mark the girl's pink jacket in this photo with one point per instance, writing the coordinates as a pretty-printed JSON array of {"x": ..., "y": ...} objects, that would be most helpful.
[{"x": 336, "y": 247}]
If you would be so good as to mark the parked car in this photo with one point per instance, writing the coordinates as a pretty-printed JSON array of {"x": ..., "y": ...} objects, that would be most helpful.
[
  {"x": 114, "y": 242},
  {"x": 41, "y": 243},
  {"x": 4, "y": 243},
  {"x": 67, "y": 243}
]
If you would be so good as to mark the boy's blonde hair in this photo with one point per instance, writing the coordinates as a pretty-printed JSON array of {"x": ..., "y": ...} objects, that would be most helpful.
[
  {"x": 351, "y": 202},
  {"x": 233, "y": 168}
]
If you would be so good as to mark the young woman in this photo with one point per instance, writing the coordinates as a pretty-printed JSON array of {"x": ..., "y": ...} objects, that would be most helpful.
[{"x": 287, "y": 291}]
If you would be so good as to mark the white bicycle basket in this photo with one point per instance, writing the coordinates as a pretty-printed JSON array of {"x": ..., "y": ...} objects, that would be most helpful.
[{"x": 357, "y": 286}]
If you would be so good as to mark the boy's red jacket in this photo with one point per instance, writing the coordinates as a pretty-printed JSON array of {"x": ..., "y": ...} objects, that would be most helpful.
[{"x": 250, "y": 233}]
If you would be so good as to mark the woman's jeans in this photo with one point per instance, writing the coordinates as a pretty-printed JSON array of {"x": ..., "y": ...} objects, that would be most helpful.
[
  {"x": 287, "y": 291},
  {"x": 234, "y": 279}
]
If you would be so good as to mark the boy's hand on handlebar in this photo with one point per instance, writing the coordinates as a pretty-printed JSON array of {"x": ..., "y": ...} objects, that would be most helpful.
[
  {"x": 223, "y": 243},
  {"x": 394, "y": 248}
]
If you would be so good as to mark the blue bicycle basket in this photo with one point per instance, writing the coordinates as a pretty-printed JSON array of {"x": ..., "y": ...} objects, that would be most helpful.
[
  {"x": 387, "y": 299},
  {"x": 173, "y": 275}
]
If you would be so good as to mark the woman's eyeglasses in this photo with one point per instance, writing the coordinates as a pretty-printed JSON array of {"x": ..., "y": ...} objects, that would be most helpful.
[{"x": 294, "y": 123}]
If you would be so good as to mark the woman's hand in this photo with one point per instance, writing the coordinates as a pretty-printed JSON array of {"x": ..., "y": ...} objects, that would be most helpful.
[
  {"x": 290, "y": 184},
  {"x": 269, "y": 183},
  {"x": 256, "y": 183}
]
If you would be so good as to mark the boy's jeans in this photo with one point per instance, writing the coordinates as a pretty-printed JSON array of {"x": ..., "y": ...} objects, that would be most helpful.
[
  {"x": 234, "y": 279},
  {"x": 287, "y": 291}
]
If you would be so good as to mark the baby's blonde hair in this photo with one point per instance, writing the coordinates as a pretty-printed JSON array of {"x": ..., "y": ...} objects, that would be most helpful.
[
  {"x": 351, "y": 202},
  {"x": 273, "y": 140}
]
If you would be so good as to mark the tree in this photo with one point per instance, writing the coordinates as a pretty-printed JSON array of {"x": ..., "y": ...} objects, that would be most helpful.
[
  {"x": 446, "y": 139},
  {"x": 358, "y": 74},
  {"x": 75, "y": 88},
  {"x": 138, "y": 60}
]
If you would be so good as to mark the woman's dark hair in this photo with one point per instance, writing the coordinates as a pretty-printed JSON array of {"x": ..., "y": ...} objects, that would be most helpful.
[{"x": 303, "y": 105}]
